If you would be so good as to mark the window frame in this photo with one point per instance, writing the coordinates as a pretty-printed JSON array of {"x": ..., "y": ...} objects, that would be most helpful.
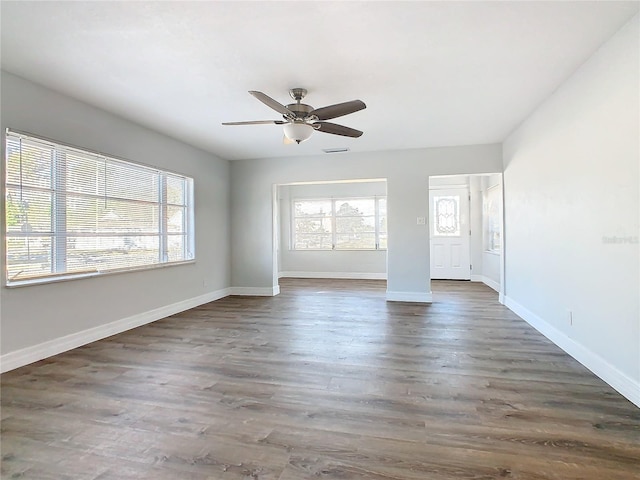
[
  {"x": 59, "y": 248},
  {"x": 332, "y": 217}
]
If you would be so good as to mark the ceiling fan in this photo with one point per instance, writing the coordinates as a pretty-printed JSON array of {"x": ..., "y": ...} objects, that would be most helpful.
[{"x": 300, "y": 120}]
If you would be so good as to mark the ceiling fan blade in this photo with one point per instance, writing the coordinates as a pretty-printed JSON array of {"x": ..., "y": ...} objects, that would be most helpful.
[
  {"x": 257, "y": 122},
  {"x": 338, "y": 110},
  {"x": 335, "y": 129},
  {"x": 270, "y": 102}
]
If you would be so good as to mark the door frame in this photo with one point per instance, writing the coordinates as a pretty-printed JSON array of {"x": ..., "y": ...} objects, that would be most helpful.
[{"x": 479, "y": 235}]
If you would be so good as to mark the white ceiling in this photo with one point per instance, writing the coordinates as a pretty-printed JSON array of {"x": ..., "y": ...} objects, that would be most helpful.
[{"x": 431, "y": 73}]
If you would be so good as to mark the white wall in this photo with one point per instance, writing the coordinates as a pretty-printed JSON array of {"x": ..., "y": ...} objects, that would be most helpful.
[
  {"x": 491, "y": 269},
  {"x": 33, "y": 317},
  {"x": 571, "y": 180},
  {"x": 407, "y": 173},
  {"x": 450, "y": 181},
  {"x": 333, "y": 263}
]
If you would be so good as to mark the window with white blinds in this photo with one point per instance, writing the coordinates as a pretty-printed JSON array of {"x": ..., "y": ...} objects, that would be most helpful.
[{"x": 72, "y": 212}]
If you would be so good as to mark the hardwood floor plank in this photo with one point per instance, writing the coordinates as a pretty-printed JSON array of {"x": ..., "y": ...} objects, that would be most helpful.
[{"x": 326, "y": 380}]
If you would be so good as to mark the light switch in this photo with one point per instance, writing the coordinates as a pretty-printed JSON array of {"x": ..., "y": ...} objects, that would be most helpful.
[{"x": 421, "y": 220}]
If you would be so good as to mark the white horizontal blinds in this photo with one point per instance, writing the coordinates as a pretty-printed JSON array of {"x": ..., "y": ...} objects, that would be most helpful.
[
  {"x": 70, "y": 211},
  {"x": 112, "y": 213},
  {"x": 340, "y": 224},
  {"x": 29, "y": 198}
]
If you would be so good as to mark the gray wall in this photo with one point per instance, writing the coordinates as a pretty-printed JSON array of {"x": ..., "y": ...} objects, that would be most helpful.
[
  {"x": 35, "y": 314},
  {"x": 571, "y": 185},
  {"x": 407, "y": 173}
]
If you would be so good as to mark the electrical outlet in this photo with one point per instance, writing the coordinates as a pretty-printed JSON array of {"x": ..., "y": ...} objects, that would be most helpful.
[
  {"x": 421, "y": 221},
  {"x": 205, "y": 283}
]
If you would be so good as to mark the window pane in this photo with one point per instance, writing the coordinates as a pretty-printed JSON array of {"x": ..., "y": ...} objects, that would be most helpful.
[
  {"x": 382, "y": 207},
  {"x": 313, "y": 225},
  {"x": 91, "y": 214},
  {"x": 306, "y": 208},
  {"x": 28, "y": 257},
  {"x": 356, "y": 241},
  {"x": 130, "y": 182},
  {"x": 29, "y": 165},
  {"x": 83, "y": 174},
  {"x": 382, "y": 241},
  {"x": 175, "y": 219},
  {"x": 355, "y": 224},
  {"x": 176, "y": 190},
  {"x": 175, "y": 244},
  {"x": 446, "y": 215},
  {"x": 90, "y": 253},
  {"x": 306, "y": 241},
  {"x": 491, "y": 220},
  {"x": 355, "y": 207},
  {"x": 382, "y": 224},
  {"x": 84, "y": 214},
  {"x": 29, "y": 211}
]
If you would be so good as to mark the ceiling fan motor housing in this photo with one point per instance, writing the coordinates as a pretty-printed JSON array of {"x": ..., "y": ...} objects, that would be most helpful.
[{"x": 301, "y": 110}]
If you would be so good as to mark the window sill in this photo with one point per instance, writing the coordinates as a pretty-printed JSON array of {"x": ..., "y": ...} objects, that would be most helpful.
[
  {"x": 79, "y": 276},
  {"x": 492, "y": 252},
  {"x": 338, "y": 250}
]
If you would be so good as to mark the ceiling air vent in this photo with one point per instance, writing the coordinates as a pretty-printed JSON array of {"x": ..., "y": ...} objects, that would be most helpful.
[{"x": 335, "y": 150}]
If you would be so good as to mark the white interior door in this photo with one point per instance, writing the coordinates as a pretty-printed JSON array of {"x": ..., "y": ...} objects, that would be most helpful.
[{"x": 449, "y": 233}]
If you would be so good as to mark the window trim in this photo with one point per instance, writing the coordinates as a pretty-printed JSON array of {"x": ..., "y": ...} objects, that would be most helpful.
[
  {"x": 333, "y": 217},
  {"x": 66, "y": 277},
  {"x": 189, "y": 233}
]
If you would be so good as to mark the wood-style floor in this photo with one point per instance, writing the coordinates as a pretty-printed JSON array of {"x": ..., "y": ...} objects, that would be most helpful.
[{"x": 325, "y": 381}]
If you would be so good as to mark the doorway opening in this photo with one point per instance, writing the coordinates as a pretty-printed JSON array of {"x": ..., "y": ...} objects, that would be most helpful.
[
  {"x": 465, "y": 228},
  {"x": 334, "y": 230}
]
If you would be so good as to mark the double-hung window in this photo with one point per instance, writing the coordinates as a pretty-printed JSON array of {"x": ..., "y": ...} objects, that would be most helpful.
[
  {"x": 71, "y": 212},
  {"x": 340, "y": 224}
]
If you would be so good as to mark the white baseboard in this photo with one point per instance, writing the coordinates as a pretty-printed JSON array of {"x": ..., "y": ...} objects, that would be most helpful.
[
  {"x": 487, "y": 281},
  {"x": 339, "y": 275},
  {"x": 255, "y": 291},
  {"x": 414, "y": 297},
  {"x": 491, "y": 283},
  {"x": 625, "y": 385},
  {"x": 25, "y": 356}
]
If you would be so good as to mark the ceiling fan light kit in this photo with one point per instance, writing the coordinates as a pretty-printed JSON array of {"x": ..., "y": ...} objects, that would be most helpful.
[
  {"x": 300, "y": 120},
  {"x": 298, "y": 132}
]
